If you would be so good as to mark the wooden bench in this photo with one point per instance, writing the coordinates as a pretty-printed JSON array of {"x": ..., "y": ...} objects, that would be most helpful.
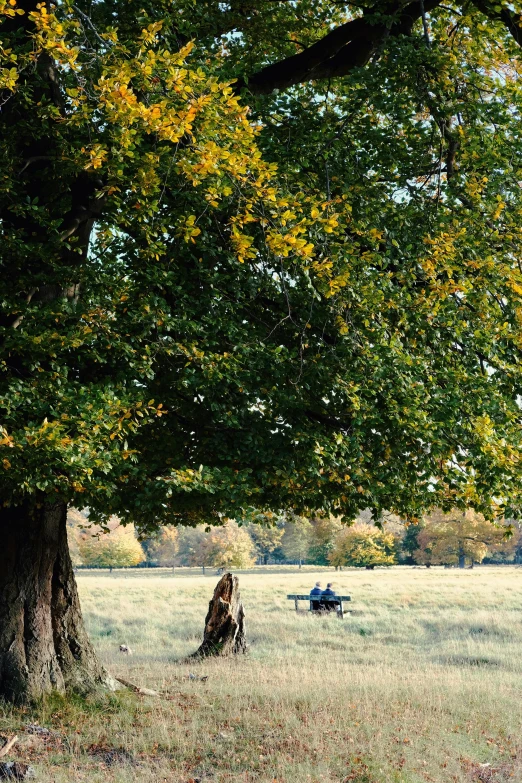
[{"x": 337, "y": 599}]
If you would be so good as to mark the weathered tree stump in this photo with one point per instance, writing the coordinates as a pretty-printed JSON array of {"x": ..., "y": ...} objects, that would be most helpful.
[{"x": 225, "y": 621}]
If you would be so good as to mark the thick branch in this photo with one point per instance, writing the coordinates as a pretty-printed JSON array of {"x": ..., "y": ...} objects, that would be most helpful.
[{"x": 346, "y": 47}]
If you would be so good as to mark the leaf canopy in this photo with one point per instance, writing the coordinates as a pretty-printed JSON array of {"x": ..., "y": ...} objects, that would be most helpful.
[{"x": 260, "y": 257}]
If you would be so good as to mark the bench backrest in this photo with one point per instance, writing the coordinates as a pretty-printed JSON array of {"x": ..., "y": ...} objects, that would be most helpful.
[{"x": 309, "y": 597}]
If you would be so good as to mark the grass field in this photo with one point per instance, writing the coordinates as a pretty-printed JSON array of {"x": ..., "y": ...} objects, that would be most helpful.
[{"x": 422, "y": 682}]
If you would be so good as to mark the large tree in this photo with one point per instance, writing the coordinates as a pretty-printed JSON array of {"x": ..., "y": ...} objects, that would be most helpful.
[
  {"x": 364, "y": 546},
  {"x": 457, "y": 537},
  {"x": 118, "y": 548},
  {"x": 324, "y": 532},
  {"x": 162, "y": 548},
  {"x": 230, "y": 546},
  {"x": 297, "y": 538},
  {"x": 314, "y": 304}
]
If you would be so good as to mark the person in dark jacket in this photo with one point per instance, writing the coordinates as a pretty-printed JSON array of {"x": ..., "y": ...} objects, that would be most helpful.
[
  {"x": 330, "y": 592},
  {"x": 316, "y": 591}
]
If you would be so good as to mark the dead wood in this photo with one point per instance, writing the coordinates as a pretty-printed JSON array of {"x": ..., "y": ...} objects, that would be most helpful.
[
  {"x": 137, "y": 688},
  {"x": 8, "y": 745},
  {"x": 224, "y": 632}
]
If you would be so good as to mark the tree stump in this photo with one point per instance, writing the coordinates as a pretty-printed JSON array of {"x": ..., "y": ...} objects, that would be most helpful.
[{"x": 224, "y": 632}]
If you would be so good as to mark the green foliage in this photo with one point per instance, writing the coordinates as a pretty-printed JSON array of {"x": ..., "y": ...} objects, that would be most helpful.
[
  {"x": 324, "y": 533},
  {"x": 266, "y": 532},
  {"x": 410, "y": 542},
  {"x": 364, "y": 546},
  {"x": 297, "y": 538},
  {"x": 216, "y": 297},
  {"x": 118, "y": 548}
]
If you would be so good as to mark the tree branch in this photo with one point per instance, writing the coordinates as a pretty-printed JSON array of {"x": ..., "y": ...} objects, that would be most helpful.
[
  {"x": 340, "y": 51},
  {"x": 511, "y": 20}
]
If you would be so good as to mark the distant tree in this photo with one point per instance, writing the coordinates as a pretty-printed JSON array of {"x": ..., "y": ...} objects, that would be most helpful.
[
  {"x": 324, "y": 533},
  {"x": 409, "y": 543},
  {"x": 509, "y": 550},
  {"x": 193, "y": 550},
  {"x": 76, "y": 524},
  {"x": 117, "y": 548},
  {"x": 266, "y": 531},
  {"x": 161, "y": 549},
  {"x": 230, "y": 546},
  {"x": 516, "y": 541},
  {"x": 364, "y": 546},
  {"x": 458, "y": 537},
  {"x": 297, "y": 538}
]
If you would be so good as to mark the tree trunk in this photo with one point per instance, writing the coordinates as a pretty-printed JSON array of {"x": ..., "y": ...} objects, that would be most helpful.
[
  {"x": 43, "y": 642},
  {"x": 462, "y": 560},
  {"x": 225, "y": 622}
]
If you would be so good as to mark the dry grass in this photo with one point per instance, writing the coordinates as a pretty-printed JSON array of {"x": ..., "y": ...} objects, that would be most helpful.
[{"x": 421, "y": 683}]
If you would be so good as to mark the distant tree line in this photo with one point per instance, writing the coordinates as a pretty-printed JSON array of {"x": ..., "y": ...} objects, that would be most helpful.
[{"x": 454, "y": 539}]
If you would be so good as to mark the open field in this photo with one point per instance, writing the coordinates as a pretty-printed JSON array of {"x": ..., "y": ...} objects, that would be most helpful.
[{"x": 423, "y": 682}]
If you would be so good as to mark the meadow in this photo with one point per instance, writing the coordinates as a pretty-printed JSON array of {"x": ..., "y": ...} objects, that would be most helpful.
[{"x": 421, "y": 682}]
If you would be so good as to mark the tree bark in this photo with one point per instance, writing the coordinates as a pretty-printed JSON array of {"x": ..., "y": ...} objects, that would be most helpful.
[
  {"x": 225, "y": 621},
  {"x": 43, "y": 642},
  {"x": 462, "y": 560}
]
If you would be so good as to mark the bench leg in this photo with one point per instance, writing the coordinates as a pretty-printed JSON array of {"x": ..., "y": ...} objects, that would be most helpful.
[
  {"x": 295, "y": 601},
  {"x": 341, "y": 611}
]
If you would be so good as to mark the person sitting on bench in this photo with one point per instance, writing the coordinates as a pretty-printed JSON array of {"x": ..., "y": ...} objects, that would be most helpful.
[
  {"x": 329, "y": 605},
  {"x": 316, "y": 591}
]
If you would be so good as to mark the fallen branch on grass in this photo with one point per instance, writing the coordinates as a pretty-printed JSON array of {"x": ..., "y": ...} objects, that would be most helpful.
[
  {"x": 149, "y": 692},
  {"x": 137, "y": 688},
  {"x": 8, "y": 745}
]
